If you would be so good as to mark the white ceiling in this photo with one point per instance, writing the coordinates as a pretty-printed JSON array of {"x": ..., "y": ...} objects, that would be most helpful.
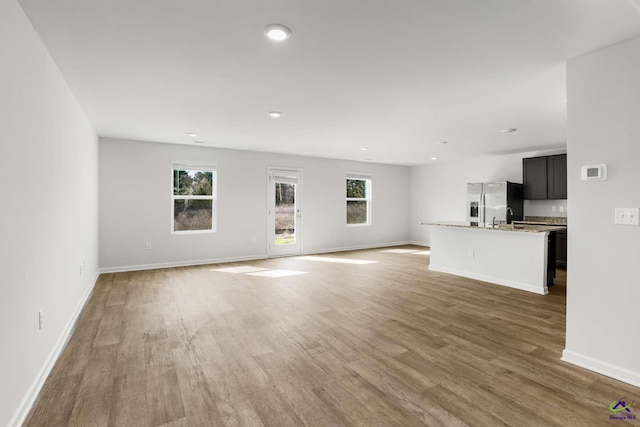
[{"x": 394, "y": 76}]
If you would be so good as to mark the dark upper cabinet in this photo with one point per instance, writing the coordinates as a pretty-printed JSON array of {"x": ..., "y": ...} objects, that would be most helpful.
[
  {"x": 557, "y": 177},
  {"x": 545, "y": 177},
  {"x": 534, "y": 178}
]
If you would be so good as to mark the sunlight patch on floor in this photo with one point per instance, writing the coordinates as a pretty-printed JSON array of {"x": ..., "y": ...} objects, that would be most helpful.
[
  {"x": 337, "y": 260},
  {"x": 421, "y": 253},
  {"x": 407, "y": 251},
  {"x": 277, "y": 273},
  {"x": 239, "y": 270}
]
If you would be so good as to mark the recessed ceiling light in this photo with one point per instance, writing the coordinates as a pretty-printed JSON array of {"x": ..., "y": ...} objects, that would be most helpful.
[
  {"x": 364, "y": 148},
  {"x": 277, "y": 32},
  {"x": 192, "y": 135},
  {"x": 275, "y": 114},
  {"x": 443, "y": 142},
  {"x": 508, "y": 130},
  {"x": 199, "y": 142},
  {"x": 434, "y": 158}
]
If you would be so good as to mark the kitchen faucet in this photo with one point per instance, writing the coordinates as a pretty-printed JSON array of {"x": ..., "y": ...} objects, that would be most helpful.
[
  {"x": 509, "y": 210},
  {"x": 494, "y": 223}
]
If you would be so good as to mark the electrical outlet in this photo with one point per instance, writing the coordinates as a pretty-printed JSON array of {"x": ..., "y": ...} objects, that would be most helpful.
[
  {"x": 40, "y": 319},
  {"x": 627, "y": 216},
  {"x": 553, "y": 208},
  {"x": 149, "y": 246},
  {"x": 561, "y": 208},
  {"x": 472, "y": 254}
]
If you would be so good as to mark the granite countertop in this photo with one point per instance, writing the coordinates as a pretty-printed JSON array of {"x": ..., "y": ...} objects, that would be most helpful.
[
  {"x": 519, "y": 228},
  {"x": 546, "y": 220}
]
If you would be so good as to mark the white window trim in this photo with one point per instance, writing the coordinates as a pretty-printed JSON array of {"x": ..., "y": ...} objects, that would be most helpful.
[
  {"x": 201, "y": 166},
  {"x": 368, "y": 180}
]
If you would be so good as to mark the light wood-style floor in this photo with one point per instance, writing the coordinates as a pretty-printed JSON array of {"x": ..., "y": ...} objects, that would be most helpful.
[{"x": 381, "y": 344}]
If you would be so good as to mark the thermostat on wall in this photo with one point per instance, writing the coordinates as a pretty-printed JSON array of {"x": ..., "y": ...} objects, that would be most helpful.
[{"x": 594, "y": 172}]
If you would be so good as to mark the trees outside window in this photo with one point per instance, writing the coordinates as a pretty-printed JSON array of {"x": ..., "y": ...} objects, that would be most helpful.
[
  {"x": 358, "y": 200},
  {"x": 194, "y": 198}
]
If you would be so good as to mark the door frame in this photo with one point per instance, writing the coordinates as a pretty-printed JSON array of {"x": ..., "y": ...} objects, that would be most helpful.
[{"x": 271, "y": 171}]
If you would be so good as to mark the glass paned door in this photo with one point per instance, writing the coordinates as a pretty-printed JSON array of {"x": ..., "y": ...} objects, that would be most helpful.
[{"x": 285, "y": 218}]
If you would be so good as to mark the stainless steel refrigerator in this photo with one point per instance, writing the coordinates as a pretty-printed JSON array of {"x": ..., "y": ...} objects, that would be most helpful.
[{"x": 490, "y": 203}]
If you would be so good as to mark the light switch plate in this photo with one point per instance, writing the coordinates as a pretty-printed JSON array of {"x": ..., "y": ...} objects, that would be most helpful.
[{"x": 627, "y": 216}]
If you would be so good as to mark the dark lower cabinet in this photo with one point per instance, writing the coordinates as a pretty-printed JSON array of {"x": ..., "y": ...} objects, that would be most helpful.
[
  {"x": 561, "y": 249},
  {"x": 556, "y": 254},
  {"x": 551, "y": 259}
]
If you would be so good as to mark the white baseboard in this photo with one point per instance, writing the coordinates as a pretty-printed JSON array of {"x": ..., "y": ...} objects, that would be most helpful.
[
  {"x": 490, "y": 279},
  {"x": 355, "y": 248},
  {"x": 180, "y": 264},
  {"x": 604, "y": 368},
  {"x": 126, "y": 268},
  {"x": 32, "y": 394},
  {"x": 418, "y": 243}
]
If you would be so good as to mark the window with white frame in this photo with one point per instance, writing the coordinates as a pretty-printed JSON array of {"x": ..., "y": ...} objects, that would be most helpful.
[
  {"x": 193, "y": 201},
  {"x": 358, "y": 199}
]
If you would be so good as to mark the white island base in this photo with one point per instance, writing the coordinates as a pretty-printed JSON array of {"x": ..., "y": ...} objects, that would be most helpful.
[{"x": 505, "y": 257}]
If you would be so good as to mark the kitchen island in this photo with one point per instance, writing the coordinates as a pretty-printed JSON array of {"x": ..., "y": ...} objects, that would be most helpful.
[{"x": 515, "y": 256}]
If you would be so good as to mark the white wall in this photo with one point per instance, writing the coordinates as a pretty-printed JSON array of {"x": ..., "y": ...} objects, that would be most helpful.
[
  {"x": 603, "y": 301},
  {"x": 135, "y": 192},
  {"x": 48, "y": 212},
  {"x": 439, "y": 190}
]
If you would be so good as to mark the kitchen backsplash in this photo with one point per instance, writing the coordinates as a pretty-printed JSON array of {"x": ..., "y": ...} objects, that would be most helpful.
[{"x": 546, "y": 208}]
